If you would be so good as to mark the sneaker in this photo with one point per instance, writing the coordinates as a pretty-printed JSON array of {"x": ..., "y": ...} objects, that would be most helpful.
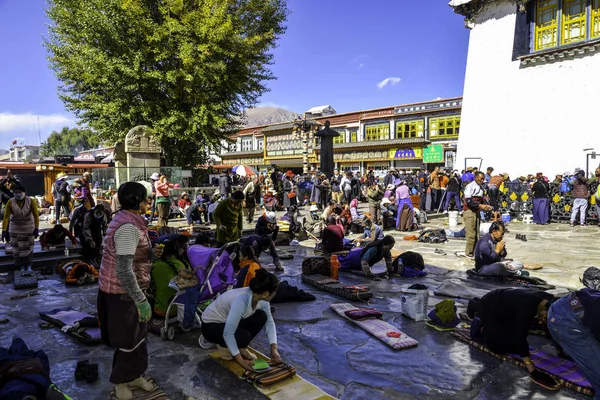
[
  {"x": 572, "y": 224},
  {"x": 224, "y": 353}
]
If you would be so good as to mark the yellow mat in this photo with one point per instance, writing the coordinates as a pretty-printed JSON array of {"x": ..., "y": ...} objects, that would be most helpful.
[{"x": 295, "y": 388}]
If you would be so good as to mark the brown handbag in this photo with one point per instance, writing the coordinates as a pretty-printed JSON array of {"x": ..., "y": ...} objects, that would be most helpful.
[
  {"x": 186, "y": 279},
  {"x": 278, "y": 372}
]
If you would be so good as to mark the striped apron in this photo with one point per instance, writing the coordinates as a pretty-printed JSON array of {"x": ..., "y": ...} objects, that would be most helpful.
[{"x": 21, "y": 231}]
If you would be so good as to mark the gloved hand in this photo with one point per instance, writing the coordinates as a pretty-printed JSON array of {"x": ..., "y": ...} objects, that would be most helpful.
[
  {"x": 144, "y": 311},
  {"x": 544, "y": 380},
  {"x": 36, "y": 233},
  {"x": 5, "y": 236}
]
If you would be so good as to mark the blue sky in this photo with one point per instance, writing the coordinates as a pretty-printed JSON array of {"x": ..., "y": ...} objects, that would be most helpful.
[{"x": 351, "y": 54}]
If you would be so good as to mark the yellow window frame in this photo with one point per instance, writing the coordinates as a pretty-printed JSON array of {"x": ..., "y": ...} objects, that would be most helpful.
[
  {"x": 410, "y": 129},
  {"x": 340, "y": 139},
  {"x": 595, "y": 19},
  {"x": 354, "y": 136},
  {"x": 377, "y": 132},
  {"x": 573, "y": 21},
  {"x": 545, "y": 8},
  {"x": 440, "y": 126}
]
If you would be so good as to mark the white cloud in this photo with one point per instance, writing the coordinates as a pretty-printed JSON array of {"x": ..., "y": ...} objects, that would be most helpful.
[
  {"x": 361, "y": 65},
  {"x": 271, "y": 104},
  {"x": 359, "y": 61},
  {"x": 392, "y": 80},
  {"x": 28, "y": 122}
]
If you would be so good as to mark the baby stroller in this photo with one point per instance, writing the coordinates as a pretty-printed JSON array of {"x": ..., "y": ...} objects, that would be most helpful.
[{"x": 215, "y": 272}]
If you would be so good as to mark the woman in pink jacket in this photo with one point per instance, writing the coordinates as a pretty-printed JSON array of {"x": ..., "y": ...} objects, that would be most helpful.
[{"x": 163, "y": 201}]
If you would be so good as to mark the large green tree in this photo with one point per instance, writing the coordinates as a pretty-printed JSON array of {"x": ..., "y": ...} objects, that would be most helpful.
[
  {"x": 69, "y": 142},
  {"x": 186, "y": 68}
]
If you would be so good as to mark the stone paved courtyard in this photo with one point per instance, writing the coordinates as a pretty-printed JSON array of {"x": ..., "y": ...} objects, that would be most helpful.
[{"x": 338, "y": 357}]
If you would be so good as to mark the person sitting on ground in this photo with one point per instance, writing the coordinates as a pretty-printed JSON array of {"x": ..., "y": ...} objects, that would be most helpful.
[
  {"x": 574, "y": 323},
  {"x": 184, "y": 202},
  {"x": 173, "y": 258},
  {"x": 363, "y": 259},
  {"x": 354, "y": 210},
  {"x": 346, "y": 217},
  {"x": 490, "y": 254},
  {"x": 329, "y": 211},
  {"x": 332, "y": 237},
  {"x": 503, "y": 320},
  {"x": 372, "y": 232},
  {"x": 248, "y": 266},
  {"x": 56, "y": 236},
  {"x": 237, "y": 316}
]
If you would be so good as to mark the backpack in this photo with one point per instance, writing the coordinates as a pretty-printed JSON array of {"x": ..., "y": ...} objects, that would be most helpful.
[
  {"x": 433, "y": 236},
  {"x": 565, "y": 186}
]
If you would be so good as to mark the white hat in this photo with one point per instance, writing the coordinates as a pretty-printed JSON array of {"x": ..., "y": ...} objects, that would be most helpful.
[
  {"x": 313, "y": 208},
  {"x": 385, "y": 200},
  {"x": 271, "y": 217},
  {"x": 154, "y": 176}
]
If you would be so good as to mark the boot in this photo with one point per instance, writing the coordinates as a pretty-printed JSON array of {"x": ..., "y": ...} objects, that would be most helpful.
[
  {"x": 123, "y": 392},
  {"x": 142, "y": 384},
  {"x": 247, "y": 355},
  {"x": 224, "y": 353}
]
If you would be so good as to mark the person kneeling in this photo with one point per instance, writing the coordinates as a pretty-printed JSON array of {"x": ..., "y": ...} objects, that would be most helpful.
[
  {"x": 504, "y": 318},
  {"x": 332, "y": 237},
  {"x": 490, "y": 254},
  {"x": 238, "y": 315}
]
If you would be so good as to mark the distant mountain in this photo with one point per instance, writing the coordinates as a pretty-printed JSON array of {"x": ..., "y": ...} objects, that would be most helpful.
[
  {"x": 267, "y": 115},
  {"x": 3, "y": 152}
]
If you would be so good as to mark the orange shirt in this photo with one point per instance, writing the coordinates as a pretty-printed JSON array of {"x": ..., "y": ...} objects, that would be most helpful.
[
  {"x": 443, "y": 181},
  {"x": 252, "y": 268}
]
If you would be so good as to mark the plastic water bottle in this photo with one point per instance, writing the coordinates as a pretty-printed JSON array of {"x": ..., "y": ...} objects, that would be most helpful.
[
  {"x": 335, "y": 267},
  {"x": 68, "y": 245}
]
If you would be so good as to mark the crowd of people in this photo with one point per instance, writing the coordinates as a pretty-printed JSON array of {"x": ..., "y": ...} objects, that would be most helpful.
[{"x": 134, "y": 271}]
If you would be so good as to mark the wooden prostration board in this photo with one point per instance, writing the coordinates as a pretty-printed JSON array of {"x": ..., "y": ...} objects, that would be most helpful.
[{"x": 294, "y": 388}]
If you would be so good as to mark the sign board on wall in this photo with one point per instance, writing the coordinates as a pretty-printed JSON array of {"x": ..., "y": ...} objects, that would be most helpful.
[
  {"x": 433, "y": 154},
  {"x": 285, "y": 145},
  {"x": 406, "y": 154}
]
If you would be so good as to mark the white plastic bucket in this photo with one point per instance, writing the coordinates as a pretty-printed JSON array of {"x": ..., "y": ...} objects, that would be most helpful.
[{"x": 453, "y": 219}]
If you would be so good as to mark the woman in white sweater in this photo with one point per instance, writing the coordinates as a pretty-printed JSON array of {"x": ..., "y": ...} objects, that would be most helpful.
[{"x": 238, "y": 315}]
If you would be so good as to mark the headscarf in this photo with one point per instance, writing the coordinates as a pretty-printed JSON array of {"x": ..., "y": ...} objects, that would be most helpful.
[
  {"x": 354, "y": 203},
  {"x": 591, "y": 278}
]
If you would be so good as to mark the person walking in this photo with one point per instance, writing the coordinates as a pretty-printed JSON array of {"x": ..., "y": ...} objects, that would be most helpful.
[
  {"x": 20, "y": 226},
  {"x": 250, "y": 199},
  {"x": 374, "y": 196},
  {"x": 224, "y": 184},
  {"x": 453, "y": 192},
  {"x": 472, "y": 215},
  {"x": 580, "y": 194},
  {"x": 336, "y": 189},
  {"x": 436, "y": 189},
  {"x": 346, "y": 186},
  {"x": 123, "y": 309},
  {"x": 62, "y": 197},
  {"x": 94, "y": 227},
  {"x": 163, "y": 200}
]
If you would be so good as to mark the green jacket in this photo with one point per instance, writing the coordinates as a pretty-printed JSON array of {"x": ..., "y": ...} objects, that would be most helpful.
[
  {"x": 374, "y": 196},
  {"x": 162, "y": 273},
  {"x": 232, "y": 218}
]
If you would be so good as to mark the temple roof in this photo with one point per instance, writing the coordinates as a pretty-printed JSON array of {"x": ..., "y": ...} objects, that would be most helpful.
[{"x": 470, "y": 8}]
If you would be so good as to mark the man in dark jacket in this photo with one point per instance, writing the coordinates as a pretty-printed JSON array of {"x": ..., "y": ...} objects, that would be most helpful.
[
  {"x": 388, "y": 179},
  {"x": 580, "y": 194},
  {"x": 224, "y": 184},
  {"x": 62, "y": 197},
  {"x": 423, "y": 179},
  {"x": 92, "y": 235},
  {"x": 490, "y": 254},
  {"x": 505, "y": 317}
]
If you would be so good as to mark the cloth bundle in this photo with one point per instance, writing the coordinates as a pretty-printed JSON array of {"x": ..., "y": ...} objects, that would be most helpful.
[
  {"x": 277, "y": 373},
  {"x": 444, "y": 315},
  {"x": 361, "y": 314}
]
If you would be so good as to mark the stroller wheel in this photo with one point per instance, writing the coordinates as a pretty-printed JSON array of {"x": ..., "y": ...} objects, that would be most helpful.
[
  {"x": 203, "y": 343},
  {"x": 171, "y": 333},
  {"x": 163, "y": 333}
]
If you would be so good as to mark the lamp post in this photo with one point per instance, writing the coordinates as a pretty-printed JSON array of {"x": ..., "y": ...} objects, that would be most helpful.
[{"x": 304, "y": 130}]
